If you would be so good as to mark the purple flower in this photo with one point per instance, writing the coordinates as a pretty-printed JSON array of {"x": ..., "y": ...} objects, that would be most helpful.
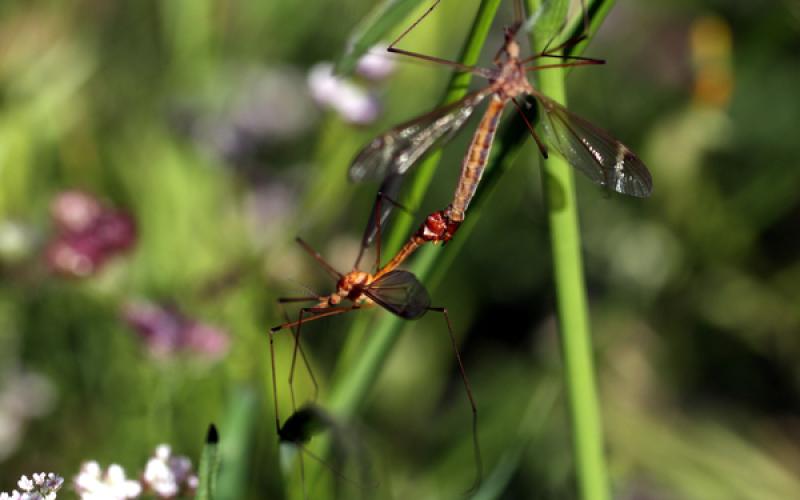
[
  {"x": 167, "y": 331},
  {"x": 89, "y": 234},
  {"x": 42, "y": 486}
]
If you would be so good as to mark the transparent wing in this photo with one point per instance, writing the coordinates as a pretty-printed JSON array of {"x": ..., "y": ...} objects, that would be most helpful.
[
  {"x": 397, "y": 150},
  {"x": 390, "y": 187},
  {"x": 593, "y": 151},
  {"x": 401, "y": 293}
]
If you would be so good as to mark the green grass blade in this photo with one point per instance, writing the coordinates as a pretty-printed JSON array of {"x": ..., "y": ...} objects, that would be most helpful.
[
  {"x": 240, "y": 424},
  {"x": 572, "y": 310},
  {"x": 207, "y": 470},
  {"x": 372, "y": 30}
]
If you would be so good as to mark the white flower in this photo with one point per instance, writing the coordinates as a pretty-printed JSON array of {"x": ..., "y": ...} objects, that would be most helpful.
[
  {"x": 375, "y": 64},
  {"x": 92, "y": 484},
  {"x": 166, "y": 475},
  {"x": 25, "y": 484},
  {"x": 41, "y": 487},
  {"x": 352, "y": 102}
]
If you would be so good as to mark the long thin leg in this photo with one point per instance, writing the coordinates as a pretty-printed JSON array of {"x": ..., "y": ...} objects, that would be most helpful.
[
  {"x": 542, "y": 148},
  {"x": 582, "y": 62},
  {"x": 570, "y": 42},
  {"x": 318, "y": 312},
  {"x": 299, "y": 347},
  {"x": 271, "y": 334},
  {"x": 274, "y": 381},
  {"x": 425, "y": 57},
  {"x": 333, "y": 272},
  {"x": 468, "y": 388},
  {"x": 337, "y": 473},
  {"x": 287, "y": 300},
  {"x": 378, "y": 231},
  {"x": 378, "y": 216}
]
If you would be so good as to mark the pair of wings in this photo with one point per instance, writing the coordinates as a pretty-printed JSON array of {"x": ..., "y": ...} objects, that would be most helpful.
[
  {"x": 401, "y": 293},
  {"x": 591, "y": 150}
]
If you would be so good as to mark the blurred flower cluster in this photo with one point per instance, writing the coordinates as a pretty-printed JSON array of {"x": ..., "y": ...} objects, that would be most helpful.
[
  {"x": 23, "y": 395},
  {"x": 165, "y": 476},
  {"x": 169, "y": 475},
  {"x": 87, "y": 235},
  {"x": 167, "y": 331},
  {"x": 41, "y": 486},
  {"x": 354, "y": 103},
  {"x": 261, "y": 107},
  {"x": 92, "y": 483}
]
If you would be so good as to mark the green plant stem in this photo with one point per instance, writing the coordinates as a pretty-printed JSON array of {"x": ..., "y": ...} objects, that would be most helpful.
[{"x": 562, "y": 215}]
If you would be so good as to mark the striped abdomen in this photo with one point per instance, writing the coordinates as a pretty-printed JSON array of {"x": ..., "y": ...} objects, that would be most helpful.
[{"x": 476, "y": 158}]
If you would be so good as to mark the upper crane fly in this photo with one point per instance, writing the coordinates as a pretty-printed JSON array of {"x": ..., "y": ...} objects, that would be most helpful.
[{"x": 591, "y": 150}]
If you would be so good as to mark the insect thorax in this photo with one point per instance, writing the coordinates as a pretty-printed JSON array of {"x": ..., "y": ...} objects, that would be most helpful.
[{"x": 351, "y": 286}]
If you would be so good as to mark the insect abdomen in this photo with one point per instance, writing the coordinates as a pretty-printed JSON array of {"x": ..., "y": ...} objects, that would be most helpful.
[{"x": 476, "y": 158}]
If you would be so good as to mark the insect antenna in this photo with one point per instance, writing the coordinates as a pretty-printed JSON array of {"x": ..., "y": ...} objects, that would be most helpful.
[{"x": 313, "y": 253}]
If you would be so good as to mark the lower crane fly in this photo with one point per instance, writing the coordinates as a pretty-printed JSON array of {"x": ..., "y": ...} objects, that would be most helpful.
[
  {"x": 591, "y": 150},
  {"x": 394, "y": 290}
]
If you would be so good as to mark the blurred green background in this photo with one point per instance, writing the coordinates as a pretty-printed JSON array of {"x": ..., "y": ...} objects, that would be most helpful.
[{"x": 194, "y": 116}]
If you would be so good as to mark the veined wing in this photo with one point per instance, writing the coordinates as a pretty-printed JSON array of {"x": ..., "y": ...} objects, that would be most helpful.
[
  {"x": 400, "y": 148},
  {"x": 390, "y": 187},
  {"x": 593, "y": 151},
  {"x": 401, "y": 293}
]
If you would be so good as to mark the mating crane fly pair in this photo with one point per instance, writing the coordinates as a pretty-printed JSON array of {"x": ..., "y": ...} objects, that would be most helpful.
[{"x": 390, "y": 156}]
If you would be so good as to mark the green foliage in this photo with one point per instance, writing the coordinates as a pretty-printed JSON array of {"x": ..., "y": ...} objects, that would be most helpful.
[
  {"x": 383, "y": 18},
  {"x": 208, "y": 467}
]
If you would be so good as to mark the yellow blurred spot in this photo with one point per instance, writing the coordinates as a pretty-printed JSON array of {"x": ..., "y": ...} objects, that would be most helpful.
[{"x": 711, "y": 44}]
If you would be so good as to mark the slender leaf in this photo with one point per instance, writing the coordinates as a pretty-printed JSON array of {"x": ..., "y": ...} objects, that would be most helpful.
[
  {"x": 209, "y": 462},
  {"x": 382, "y": 19}
]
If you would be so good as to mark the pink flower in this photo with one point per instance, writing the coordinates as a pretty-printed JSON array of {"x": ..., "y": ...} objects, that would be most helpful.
[
  {"x": 166, "y": 331},
  {"x": 88, "y": 235}
]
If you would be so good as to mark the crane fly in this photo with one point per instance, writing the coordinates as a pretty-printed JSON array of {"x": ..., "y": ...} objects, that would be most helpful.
[
  {"x": 394, "y": 290},
  {"x": 591, "y": 150}
]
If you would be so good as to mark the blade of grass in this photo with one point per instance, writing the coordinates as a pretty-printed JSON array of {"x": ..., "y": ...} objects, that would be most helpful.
[
  {"x": 207, "y": 470},
  {"x": 372, "y": 30},
  {"x": 572, "y": 310}
]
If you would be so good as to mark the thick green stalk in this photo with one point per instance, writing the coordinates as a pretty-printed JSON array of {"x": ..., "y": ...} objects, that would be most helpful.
[{"x": 576, "y": 347}]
